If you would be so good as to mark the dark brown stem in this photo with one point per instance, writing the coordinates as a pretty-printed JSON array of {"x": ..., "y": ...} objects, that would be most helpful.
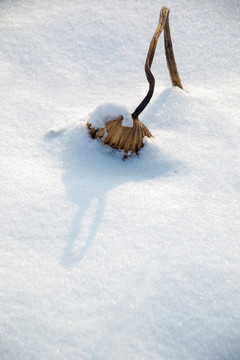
[
  {"x": 171, "y": 63},
  {"x": 162, "y": 20}
]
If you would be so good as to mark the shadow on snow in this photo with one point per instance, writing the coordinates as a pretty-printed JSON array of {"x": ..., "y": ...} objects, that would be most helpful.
[{"x": 91, "y": 170}]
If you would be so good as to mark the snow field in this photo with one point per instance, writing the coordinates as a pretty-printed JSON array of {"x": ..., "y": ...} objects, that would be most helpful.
[{"x": 109, "y": 259}]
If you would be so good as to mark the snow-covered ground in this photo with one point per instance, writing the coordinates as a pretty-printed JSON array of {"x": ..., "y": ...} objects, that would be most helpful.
[{"x": 102, "y": 258}]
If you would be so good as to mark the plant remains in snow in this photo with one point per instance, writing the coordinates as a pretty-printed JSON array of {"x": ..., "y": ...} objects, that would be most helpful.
[
  {"x": 123, "y": 130},
  {"x": 103, "y": 258}
]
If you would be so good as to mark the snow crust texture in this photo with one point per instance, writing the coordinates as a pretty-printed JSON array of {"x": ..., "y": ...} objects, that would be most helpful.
[{"x": 103, "y": 258}]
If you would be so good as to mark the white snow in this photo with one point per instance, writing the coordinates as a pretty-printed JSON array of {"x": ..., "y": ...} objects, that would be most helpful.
[
  {"x": 109, "y": 259},
  {"x": 107, "y": 112}
]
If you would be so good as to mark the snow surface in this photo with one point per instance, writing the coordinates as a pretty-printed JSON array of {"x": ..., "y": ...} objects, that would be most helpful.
[
  {"x": 109, "y": 259},
  {"x": 107, "y": 112}
]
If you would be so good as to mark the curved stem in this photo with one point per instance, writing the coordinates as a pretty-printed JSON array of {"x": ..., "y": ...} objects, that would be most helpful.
[{"x": 162, "y": 20}]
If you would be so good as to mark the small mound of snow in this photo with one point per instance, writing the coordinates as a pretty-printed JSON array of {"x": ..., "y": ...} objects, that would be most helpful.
[{"x": 106, "y": 112}]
